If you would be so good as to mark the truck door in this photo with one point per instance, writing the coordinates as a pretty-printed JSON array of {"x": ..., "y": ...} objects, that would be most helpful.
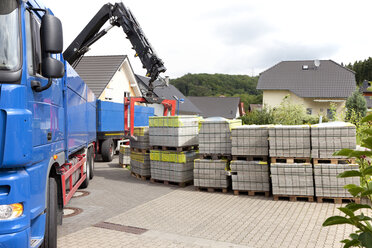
[{"x": 46, "y": 106}]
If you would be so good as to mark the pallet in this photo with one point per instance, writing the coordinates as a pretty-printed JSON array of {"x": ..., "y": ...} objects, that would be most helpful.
[
  {"x": 294, "y": 198},
  {"x": 139, "y": 150},
  {"x": 289, "y": 160},
  {"x": 250, "y": 158},
  {"x": 210, "y": 189},
  {"x": 334, "y": 160},
  {"x": 337, "y": 200},
  {"x": 252, "y": 192},
  {"x": 177, "y": 149},
  {"x": 165, "y": 182},
  {"x": 215, "y": 156},
  {"x": 138, "y": 176}
]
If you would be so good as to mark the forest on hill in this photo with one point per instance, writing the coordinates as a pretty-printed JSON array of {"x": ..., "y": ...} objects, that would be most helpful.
[
  {"x": 363, "y": 70},
  {"x": 204, "y": 84}
]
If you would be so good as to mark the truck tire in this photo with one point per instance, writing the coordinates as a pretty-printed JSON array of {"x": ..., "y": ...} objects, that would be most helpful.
[
  {"x": 50, "y": 236},
  {"x": 91, "y": 162},
  {"x": 85, "y": 184},
  {"x": 107, "y": 149}
]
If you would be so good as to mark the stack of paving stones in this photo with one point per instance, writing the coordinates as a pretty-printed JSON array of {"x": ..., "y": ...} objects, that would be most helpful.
[
  {"x": 249, "y": 167},
  {"x": 291, "y": 170},
  {"x": 124, "y": 155},
  {"x": 327, "y": 138},
  {"x": 141, "y": 141},
  {"x": 292, "y": 179},
  {"x": 290, "y": 141},
  {"x": 140, "y": 153},
  {"x": 215, "y": 135},
  {"x": 211, "y": 174},
  {"x": 172, "y": 166},
  {"x": 212, "y": 171},
  {"x": 173, "y": 142},
  {"x": 327, "y": 185}
]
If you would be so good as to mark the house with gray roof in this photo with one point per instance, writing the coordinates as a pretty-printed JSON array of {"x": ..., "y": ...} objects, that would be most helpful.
[
  {"x": 109, "y": 77},
  {"x": 170, "y": 92},
  {"x": 312, "y": 83},
  {"x": 227, "y": 107}
]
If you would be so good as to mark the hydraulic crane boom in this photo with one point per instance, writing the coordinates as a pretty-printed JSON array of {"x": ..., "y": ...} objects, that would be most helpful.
[{"x": 117, "y": 15}]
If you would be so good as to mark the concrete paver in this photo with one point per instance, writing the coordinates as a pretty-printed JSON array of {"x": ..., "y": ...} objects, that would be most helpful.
[{"x": 183, "y": 217}]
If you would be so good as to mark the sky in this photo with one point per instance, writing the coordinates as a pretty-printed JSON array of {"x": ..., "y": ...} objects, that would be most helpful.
[{"x": 231, "y": 37}]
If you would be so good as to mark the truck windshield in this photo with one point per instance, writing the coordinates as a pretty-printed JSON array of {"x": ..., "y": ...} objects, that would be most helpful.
[{"x": 9, "y": 35}]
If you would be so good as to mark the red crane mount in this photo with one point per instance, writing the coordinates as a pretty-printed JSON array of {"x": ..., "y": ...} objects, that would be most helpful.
[{"x": 129, "y": 102}]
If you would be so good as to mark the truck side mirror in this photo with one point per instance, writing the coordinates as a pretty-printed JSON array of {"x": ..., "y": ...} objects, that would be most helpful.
[{"x": 51, "y": 38}]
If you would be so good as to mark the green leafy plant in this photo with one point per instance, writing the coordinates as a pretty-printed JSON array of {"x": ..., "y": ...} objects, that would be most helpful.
[
  {"x": 356, "y": 105},
  {"x": 362, "y": 237}
]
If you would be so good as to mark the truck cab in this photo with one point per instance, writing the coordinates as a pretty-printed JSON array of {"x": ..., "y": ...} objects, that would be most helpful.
[{"x": 47, "y": 126}]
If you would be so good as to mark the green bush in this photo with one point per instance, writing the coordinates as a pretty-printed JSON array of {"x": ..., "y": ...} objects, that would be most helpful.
[
  {"x": 259, "y": 117},
  {"x": 356, "y": 104}
]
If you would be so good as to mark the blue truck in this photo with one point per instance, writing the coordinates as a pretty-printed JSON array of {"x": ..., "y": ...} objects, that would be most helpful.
[
  {"x": 110, "y": 126},
  {"x": 48, "y": 116}
]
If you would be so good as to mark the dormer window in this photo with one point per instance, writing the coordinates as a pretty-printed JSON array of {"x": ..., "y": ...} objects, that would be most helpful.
[{"x": 305, "y": 67}]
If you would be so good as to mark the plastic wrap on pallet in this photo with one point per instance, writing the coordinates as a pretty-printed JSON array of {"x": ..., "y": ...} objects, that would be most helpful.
[
  {"x": 142, "y": 138},
  {"x": 290, "y": 141},
  {"x": 174, "y": 131},
  {"x": 215, "y": 135},
  {"x": 140, "y": 163},
  {"x": 292, "y": 179},
  {"x": 211, "y": 173},
  {"x": 250, "y": 175},
  {"x": 124, "y": 155},
  {"x": 328, "y": 185},
  {"x": 250, "y": 140},
  {"x": 327, "y": 138}
]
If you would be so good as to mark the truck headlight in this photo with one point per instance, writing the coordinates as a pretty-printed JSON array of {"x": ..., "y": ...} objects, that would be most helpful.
[{"x": 12, "y": 211}]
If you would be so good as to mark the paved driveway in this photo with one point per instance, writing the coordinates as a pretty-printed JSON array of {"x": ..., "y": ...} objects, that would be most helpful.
[{"x": 122, "y": 211}]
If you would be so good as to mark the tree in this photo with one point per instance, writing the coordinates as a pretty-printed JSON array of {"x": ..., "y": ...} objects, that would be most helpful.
[{"x": 356, "y": 103}]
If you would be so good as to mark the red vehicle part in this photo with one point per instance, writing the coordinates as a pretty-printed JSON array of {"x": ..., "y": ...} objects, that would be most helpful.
[
  {"x": 68, "y": 170},
  {"x": 129, "y": 102}
]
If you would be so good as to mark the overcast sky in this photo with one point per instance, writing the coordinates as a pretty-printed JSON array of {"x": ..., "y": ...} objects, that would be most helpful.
[{"x": 232, "y": 37}]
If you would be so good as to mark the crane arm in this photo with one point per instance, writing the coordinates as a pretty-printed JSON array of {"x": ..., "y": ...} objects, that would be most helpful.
[{"x": 117, "y": 15}]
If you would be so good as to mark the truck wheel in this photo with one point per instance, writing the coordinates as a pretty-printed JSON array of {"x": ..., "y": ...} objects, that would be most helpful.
[
  {"x": 107, "y": 150},
  {"x": 91, "y": 162},
  {"x": 50, "y": 236}
]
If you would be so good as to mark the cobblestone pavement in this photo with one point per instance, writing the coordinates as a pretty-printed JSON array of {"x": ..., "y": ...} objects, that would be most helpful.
[{"x": 182, "y": 217}]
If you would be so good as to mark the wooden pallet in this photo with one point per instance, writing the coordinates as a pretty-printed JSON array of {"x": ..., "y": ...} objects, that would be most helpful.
[
  {"x": 177, "y": 149},
  {"x": 143, "y": 178},
  {"x": 294, "y": 198},
  {"x": 210, "y": 189},
  {"x": 337, "y": 200},
  {"x": 334, "y": 160},
  {"x": 252, "y": 192},
  {"x": 215, "y": 156},
  {"x": 139, "y": 150},
  {"x": 250, "y": 158},
  {"x": 290, "y": 160},
  {"x": 165, "y": 182}
]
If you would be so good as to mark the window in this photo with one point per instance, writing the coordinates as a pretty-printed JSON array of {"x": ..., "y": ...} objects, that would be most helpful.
[
  {"x": 9, "y": 36},
  {"x": 33, "y": 44},
  {"x": 309, "y": 111}
]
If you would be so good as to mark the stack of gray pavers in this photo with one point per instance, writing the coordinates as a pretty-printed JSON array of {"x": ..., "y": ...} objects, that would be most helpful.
[
  {"x": 210, "y": 173},
  {"x": 168, "y": 133},
  {"x": 179, "y": 170},
  {"x": 290, "y": 141},
  {"x": 214, "y": 139},
  {"x": 124, "y": 155},
  {"x": 291, "y": 178},
  {"x": 326, "y": 139},
  {"x": 140, "y": 156},
  {"x": 251, "y": 141}
]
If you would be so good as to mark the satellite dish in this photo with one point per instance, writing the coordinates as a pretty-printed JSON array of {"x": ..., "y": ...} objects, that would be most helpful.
[{"x": 317, "y": 63}]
